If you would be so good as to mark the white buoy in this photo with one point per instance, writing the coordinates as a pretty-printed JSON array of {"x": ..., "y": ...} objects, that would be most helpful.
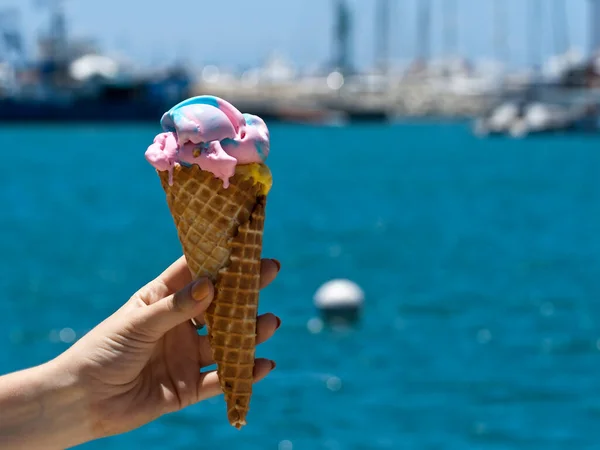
[{"x": 339, "y": 302}]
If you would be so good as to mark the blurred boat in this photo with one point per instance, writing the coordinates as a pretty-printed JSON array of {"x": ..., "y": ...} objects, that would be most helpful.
[
  {"x": 520, "y": 119},
  {"x": 499, "y": 120},
  {"x": 563, "y": 97},
  {"x": 48, "y": 94},
  {"x": 70, "y": 80}
]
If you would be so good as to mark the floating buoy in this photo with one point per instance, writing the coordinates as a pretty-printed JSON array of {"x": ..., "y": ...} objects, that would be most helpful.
[{"x": 340, "y": 302}]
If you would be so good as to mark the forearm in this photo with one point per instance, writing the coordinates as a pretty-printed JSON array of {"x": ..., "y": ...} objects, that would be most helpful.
[{"x": 42, "y": 408}]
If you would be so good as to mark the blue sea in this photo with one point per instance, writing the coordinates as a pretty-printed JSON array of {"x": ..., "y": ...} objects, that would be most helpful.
[{"x": 480, "y": 262}]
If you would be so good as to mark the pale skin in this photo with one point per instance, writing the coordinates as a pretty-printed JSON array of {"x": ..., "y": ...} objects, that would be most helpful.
[{"x": 143, "y": 361}]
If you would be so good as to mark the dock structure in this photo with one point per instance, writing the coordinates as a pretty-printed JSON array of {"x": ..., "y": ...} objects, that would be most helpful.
[{"x": 447, "y": 85}]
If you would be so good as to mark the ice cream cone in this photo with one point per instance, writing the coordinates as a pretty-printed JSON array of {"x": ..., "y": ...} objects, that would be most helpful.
[
  {"x": 211, "y": 162},
  {"x": 220, "y": 230}
]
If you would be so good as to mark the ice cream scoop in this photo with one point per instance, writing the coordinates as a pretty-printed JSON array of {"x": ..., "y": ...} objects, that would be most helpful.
[{"x": 211, "y": 133}]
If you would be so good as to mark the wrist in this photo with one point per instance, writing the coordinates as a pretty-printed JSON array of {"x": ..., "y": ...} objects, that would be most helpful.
[{"x": 44, "y": 407}]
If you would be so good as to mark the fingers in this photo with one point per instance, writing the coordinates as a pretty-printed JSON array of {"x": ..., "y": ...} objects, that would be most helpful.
[
  {"x": 269, "y": 268},
  {"x": 158, "y": 318},
  {"x": 266, "y": 325},
  {"x": 208, "y": 385},
  {"x": 175, "y": 277}
]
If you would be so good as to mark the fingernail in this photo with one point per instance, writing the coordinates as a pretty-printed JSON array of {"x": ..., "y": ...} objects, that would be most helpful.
[
  {"x": 273, "y": 365},
  {"x": 278, "y": 322},
  {"x": 277, "y": 263},
  {"x": 201, "y": 289}
]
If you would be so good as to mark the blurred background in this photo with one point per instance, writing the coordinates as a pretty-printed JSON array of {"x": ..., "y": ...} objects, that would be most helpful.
[{"x": 443, "y": 155}]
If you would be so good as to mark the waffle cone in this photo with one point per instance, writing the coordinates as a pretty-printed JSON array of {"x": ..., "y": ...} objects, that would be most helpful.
[{"x": 221, "y": 231}]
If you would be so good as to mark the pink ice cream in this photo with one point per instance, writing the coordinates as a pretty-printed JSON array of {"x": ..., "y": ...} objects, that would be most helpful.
[{"x": 209, "y": 132}]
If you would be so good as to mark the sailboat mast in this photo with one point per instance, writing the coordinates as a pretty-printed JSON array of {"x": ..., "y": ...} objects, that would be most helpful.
[
  {"x": 450, "y": 27},
  {"x": 423, "y": 43},
  {"x": 500, "y": 17},
  {"x": 560, "y": 27},
  {"x": 534, "y": 28},
  {"x": 594, "y": 26},
  {"x": 341, "y": 38},
  {"x": 382, "y": 27}
]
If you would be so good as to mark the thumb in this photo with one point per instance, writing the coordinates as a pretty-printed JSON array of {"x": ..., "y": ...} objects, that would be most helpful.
[{"x": 175, "y": 309}]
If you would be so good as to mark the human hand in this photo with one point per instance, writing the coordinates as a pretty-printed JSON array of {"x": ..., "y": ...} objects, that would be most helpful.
[{"x": 144, "y": 360}]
